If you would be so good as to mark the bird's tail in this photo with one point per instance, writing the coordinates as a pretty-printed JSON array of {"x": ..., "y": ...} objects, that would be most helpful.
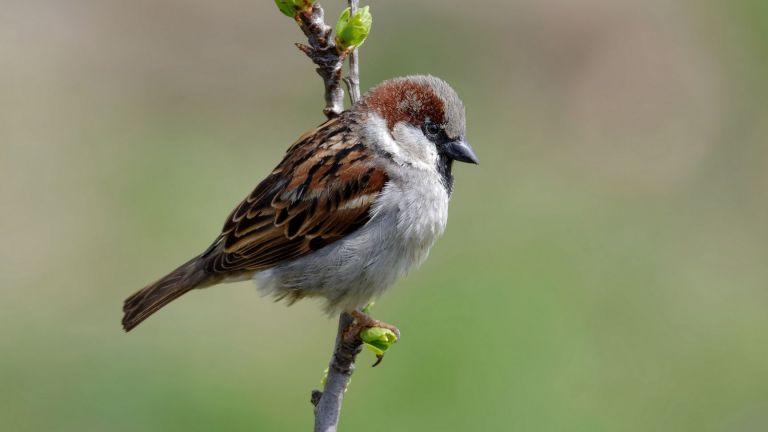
[{"x": 151, "y": 298}]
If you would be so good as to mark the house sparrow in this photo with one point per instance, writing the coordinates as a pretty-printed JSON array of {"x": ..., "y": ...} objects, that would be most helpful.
[{"x": 353, "y": 206}]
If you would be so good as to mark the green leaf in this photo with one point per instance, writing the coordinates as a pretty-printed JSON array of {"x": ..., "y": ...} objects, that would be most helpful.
[
  {"x": 352, "y": 30},
  {"x": 292, "y": 7},
  {"x": 378, "y": 339}
]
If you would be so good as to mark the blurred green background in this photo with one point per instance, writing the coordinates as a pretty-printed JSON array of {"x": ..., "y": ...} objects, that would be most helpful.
[{"x": 604, "y": 269}]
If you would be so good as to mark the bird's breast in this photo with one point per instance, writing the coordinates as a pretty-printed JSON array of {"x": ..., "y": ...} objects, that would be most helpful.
[
  {"x": 407, "y": 217},
  {"x": 420, "y": 203}
]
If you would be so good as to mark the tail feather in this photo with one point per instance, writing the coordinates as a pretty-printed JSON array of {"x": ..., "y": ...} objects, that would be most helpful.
[{"x": 151, "y": 298}]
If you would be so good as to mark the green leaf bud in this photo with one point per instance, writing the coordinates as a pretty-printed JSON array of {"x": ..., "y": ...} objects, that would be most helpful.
[
  {"x": 292, "y": 7},
  {"x": 351, "y": 30},
  {"x": 378, "y": 339}
]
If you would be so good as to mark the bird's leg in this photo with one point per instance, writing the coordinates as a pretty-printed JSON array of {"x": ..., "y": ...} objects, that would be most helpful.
[{"x": 363, "y": 321}]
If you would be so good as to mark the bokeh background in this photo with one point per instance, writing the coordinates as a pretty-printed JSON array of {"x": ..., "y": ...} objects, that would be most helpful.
[{"x": 604, "y": 269}]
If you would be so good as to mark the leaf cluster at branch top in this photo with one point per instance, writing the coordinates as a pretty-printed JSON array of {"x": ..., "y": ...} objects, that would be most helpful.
[
  {"x": 292, "y": 8},
  {"x": 353, "y": 29}
]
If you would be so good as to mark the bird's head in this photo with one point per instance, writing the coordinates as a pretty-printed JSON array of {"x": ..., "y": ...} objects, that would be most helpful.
[{"x": 420, "y": 121}]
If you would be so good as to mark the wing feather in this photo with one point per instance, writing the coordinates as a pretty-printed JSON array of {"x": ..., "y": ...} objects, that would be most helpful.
[{"x": 321, "y": 191}]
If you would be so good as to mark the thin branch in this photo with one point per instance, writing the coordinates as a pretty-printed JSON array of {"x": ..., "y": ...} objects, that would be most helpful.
[
  {"x": 322, "y": 51},
  {"x": 349, "y": 342},
  {"x": 352, "y": 80},
  {"x": 328, "y": 402}
]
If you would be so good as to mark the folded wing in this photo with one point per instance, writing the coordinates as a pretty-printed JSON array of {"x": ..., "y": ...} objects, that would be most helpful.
[{"x": 322, "y": 191}]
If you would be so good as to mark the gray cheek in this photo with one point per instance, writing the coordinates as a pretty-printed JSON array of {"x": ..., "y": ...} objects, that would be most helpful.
[{"x": 414, "y": 144}]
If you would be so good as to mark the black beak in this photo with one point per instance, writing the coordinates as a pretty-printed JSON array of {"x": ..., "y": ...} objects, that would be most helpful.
[{"x": 461, "y": 151}]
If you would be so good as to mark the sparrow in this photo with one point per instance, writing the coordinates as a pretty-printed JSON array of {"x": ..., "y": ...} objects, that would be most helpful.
[{"x": 353, "y": 206}]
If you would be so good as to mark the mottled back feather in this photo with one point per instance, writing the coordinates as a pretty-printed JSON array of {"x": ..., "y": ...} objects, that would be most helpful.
[{"x": 321, "y": 191}]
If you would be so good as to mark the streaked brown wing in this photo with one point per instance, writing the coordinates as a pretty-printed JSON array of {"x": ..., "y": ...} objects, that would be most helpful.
[{"x": 321, "y": 191}]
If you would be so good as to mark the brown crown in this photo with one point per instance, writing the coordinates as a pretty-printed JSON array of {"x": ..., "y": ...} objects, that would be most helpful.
[{"x": 403, "y": 100}]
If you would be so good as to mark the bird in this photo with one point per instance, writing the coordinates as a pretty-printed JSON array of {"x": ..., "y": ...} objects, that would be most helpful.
[{"x": 354, "y": 205}]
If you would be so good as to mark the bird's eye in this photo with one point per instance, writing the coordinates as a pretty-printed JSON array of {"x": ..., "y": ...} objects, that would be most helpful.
[{"x": 431, "y": 130}]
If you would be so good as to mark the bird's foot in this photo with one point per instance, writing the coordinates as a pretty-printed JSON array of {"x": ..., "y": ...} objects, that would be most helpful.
[
  {"x": 363, "y": 321},
  {"x": 360, "y": 323}
]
